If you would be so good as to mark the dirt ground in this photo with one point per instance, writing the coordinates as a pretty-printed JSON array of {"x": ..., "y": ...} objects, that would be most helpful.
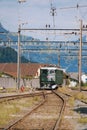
[{"x": 71, "y": 117}]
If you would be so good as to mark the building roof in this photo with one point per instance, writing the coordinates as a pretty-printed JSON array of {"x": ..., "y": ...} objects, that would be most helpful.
[
  {"x": 74, "y": 76},
  {"x": 26, "y": 69}
]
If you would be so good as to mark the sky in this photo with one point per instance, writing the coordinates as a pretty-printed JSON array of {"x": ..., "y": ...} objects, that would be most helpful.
[{"x": 37, "y": 14}]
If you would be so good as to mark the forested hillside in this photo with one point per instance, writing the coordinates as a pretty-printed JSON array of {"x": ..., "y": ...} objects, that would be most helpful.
[{"x": 9, "y": 55}]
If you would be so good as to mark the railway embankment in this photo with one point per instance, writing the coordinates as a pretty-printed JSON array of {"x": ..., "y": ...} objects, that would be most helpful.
[
  {"x": 75, "y": 115},
  {"x": 14, "y": 106}
]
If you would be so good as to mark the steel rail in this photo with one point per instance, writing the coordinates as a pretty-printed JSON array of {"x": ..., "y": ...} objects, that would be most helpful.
[
  {"x": 57, "y": 124},
  {"x": 36, "y": 107},
  {"x": 13, "y": 97}
]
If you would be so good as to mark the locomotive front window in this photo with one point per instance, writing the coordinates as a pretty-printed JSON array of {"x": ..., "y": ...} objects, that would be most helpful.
[
  {"x": 43, "y": 75},
  {"x": 44, "y": 71},
  {"x": 51, "y": 75},
  {"x": 52, "y": 71}
]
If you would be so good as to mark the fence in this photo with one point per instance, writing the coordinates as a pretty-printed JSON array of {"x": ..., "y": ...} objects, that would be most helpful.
[{"x": 10, "y": 82}]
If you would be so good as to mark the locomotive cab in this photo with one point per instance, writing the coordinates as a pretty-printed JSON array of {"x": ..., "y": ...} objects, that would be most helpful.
[{"x": 50, "y": 77}]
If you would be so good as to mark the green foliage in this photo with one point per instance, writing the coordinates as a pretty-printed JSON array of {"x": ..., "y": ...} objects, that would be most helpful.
[
  {"x": 0, "y": 74},
  {"x": 9, "y": 55},
  {"x": 84, "y": 84}
]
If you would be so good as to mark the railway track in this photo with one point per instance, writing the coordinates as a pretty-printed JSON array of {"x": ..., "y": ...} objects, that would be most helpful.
[
  {"x": 18, "y": 96},
  {"x": 47, "y": 115},
  {"x": 78, "y": 110}
]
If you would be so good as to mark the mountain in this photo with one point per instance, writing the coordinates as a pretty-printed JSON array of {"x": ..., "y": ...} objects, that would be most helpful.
[
  {"x": 11, "y": 36},
  {"x": 2, "y": 29},
  {"x": 70, "y": 63},
  {"x": 9, "y": 55}
]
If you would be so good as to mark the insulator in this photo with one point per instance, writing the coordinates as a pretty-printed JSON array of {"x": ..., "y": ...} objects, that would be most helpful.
[
  {"x": 46, "y": 38},
  {"x": 83, "y": 26},
  {"x": 60, "y": 45},
  {"x": 72, "y": 32},
  {"x": 75, "y": 33},
  {"x": 46, "y": 25}
]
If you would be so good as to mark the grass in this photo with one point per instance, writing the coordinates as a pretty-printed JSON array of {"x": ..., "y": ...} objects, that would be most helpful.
[
  {"x": 63, "y": 89},
  {"x": 83, "y": 120},
  {"x": 71, "y": 101},
  {"x": 6, "y": 109},
  {"x": 13, "y": 107},
  {"x": 80, "y": 96}
]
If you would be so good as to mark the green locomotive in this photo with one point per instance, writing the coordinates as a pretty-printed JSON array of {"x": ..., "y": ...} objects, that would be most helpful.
[{"x": 51, "y": 77}]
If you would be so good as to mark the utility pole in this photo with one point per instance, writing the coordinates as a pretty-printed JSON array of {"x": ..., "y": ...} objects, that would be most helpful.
[
  {"x": 19, "y": 58},
  {"x": 59, "y": 58},
  {"x": 80, "y": 56},
  {"x": 19, "y": 51},
  {"x": 53, "y": 13}
]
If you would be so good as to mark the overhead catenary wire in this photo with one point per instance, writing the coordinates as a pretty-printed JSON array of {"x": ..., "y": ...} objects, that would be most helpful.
[
  {"x": 78, "y": 7},
  {"x": 49, "y": 30},
  {"x": 53, "y": 12},
  {"x": 73, "y": 7}
]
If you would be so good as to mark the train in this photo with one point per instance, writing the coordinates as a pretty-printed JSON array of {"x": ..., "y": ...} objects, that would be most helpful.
[{"x": 51, "y": 77}]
